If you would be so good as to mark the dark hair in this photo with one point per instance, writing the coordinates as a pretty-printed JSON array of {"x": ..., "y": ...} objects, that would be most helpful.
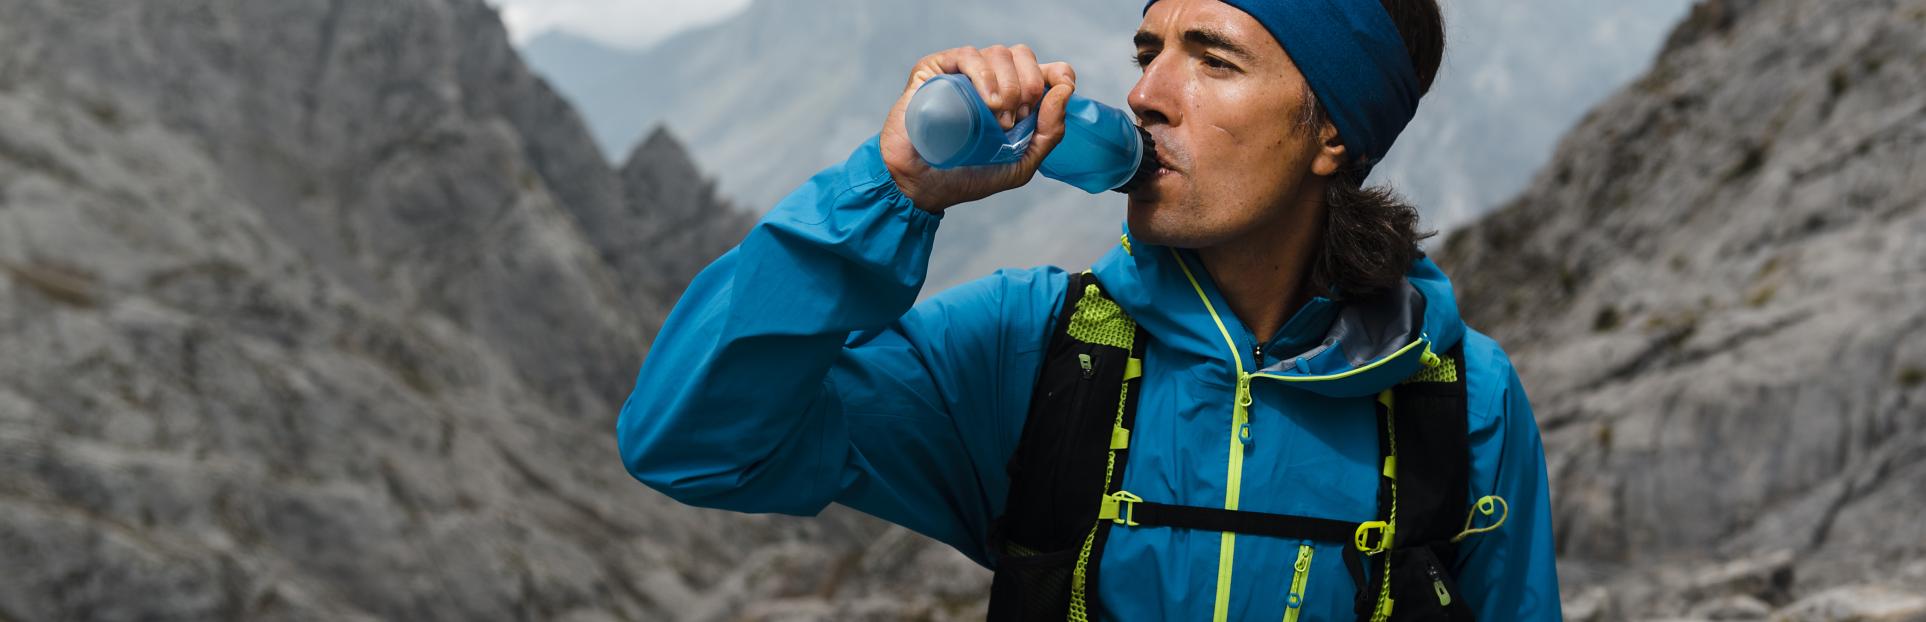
[{"x": 1371, "y": 234}]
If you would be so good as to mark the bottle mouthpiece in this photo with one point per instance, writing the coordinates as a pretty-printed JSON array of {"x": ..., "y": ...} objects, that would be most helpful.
[{"x": 1147, "y": 165}]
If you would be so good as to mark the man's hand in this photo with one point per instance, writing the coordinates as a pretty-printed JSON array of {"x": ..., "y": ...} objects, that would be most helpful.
[{"x": 1014, "y": 85}]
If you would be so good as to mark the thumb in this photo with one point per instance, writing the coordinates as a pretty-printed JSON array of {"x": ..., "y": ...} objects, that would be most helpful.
[{"x": 1049, "y": 126}]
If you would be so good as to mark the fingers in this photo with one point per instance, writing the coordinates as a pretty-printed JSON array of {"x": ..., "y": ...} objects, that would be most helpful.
[
  {"x": 1059, "y": 73},
  {"x": 1030, "y": 85},
  {"x": 969, "y": 62},
  {"x": 1007, "y": 90},
  {"x": 1009, "y": 79},
  {"x": 1062, "y": 81},
  {"x": 1014, "y": 86},
  {"x": 1049, "y": 125}
]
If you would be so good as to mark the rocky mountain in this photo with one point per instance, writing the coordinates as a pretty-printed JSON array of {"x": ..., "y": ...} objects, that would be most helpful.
[
  {"x": 1714, "y": 294},
  {"x": 324, "y": 310},
  {"x": 786, "y": 87}
]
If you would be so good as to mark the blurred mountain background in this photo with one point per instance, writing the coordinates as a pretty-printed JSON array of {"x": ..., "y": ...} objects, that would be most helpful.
[
  {"x": 323, "y": 309},
  {"x": 784, "y": 88}
]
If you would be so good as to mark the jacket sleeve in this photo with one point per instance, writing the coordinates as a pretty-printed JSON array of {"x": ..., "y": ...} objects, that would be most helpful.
[
  {"x": 1509, "y": 573},
  {"x": 794, "y": 371}
]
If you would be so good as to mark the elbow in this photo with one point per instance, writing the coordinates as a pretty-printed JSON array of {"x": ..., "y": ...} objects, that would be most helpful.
[
  {"x": 638, "y": 438},
  {"x": 644, "y": 455},
  {"x": 708, "y": 470}
]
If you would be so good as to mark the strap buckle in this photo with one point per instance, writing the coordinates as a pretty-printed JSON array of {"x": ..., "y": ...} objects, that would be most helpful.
[
  {"x": 1118, "y": 506},
  {"x": 1372, "y": 537}
]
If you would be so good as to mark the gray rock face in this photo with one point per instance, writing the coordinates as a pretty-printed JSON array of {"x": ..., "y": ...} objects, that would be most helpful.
[
  {"x": 323, "y": 310},
  {"x": 1713, "y": 294}
]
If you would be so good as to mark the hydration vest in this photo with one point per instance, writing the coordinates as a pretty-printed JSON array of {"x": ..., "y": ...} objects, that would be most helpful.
[{"x": 1066, "y": 476}]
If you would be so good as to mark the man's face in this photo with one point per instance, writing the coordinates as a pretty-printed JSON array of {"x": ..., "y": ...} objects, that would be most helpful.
[{"x": 1227, "y": 109}]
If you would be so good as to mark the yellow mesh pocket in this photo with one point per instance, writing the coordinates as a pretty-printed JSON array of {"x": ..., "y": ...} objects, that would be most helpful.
[
  {"x": 1445, "y": 371},
  {"x": 1098, "y": 320},
  {"x": 1079, "y": 589}
]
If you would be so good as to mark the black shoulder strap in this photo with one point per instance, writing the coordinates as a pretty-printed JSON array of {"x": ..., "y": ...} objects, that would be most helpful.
[
  {"x": 1070, "y": 455},
  {"x": 1422, "y": 489},
  {"x": 1434, "y": 452}
]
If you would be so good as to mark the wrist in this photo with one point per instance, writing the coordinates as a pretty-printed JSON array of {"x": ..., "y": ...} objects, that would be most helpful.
[{"x": 910, "y": 191}]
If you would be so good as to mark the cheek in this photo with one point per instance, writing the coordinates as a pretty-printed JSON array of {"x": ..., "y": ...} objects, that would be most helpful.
[{"x": 1247, "y": 133}]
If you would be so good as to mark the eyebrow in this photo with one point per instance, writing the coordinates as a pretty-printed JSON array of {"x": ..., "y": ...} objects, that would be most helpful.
[{"x": 1201, "y": 36}]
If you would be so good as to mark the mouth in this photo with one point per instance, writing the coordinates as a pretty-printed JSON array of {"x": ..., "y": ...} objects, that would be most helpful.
[
  {"x": 1163, "y": 161},
  {"x": 1162, "y": 146},
  {"x": 1162, "y": 164},
  {"x": 1165, "y": 165}
]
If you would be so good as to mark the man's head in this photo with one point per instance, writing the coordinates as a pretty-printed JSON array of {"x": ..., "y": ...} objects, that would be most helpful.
[{"x": 1249, "y": 147}]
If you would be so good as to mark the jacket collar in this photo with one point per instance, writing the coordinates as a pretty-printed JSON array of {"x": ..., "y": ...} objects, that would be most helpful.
[{"x": 1334, "y": 348}]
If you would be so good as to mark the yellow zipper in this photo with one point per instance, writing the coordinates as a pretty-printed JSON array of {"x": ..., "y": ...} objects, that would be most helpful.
[
  {"x": 1234, "y": 479},
  {"x": 1294, "y": 604},
  {"x": 1240, "y": 419},
  {"x": 1420, "y": 341}
]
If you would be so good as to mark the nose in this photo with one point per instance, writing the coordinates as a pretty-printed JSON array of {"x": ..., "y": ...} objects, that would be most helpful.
[{"x": 1154, "y": 98}]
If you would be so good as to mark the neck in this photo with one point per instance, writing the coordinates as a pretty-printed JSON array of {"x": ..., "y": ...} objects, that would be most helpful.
[{"x": 1265, "y": 274}]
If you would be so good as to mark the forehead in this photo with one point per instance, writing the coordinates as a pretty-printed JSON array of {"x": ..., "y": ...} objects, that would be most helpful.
[{"x": 1175, "y": 21}]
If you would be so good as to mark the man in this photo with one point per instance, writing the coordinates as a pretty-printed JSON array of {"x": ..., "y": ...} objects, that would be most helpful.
[{"x": 795, "y": 371}]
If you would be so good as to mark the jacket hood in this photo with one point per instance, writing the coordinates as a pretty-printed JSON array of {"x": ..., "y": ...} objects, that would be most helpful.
[{"x": 1346, "y": 348}]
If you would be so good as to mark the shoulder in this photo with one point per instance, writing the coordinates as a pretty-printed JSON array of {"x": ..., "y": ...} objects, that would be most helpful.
[
  {"x": 1491, "y": 382},
  {"x": 1016, "y": 302},
  {"x": 1007, "y": 289}
]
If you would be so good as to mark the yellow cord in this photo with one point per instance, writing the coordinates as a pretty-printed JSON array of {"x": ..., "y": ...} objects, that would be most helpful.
[{"x": 1485, "y": 506}]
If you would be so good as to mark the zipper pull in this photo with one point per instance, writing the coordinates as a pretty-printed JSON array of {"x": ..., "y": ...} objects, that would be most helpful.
[
  {"x": 1437, "y": 585},
  {"x": 1243, "y": 413},
  {"x": 1088, "y": 370},
  {"x": 1301, "y": 574}
]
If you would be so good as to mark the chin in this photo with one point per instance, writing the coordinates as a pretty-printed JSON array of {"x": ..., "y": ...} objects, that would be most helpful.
[{"x": 1161, "y": 223}]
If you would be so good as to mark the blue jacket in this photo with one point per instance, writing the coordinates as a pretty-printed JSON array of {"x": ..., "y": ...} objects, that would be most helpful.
[{"x": 798, "y": 370}]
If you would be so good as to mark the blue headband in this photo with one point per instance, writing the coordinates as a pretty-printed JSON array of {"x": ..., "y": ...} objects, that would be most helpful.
[{"x": 1355, "y": 61}]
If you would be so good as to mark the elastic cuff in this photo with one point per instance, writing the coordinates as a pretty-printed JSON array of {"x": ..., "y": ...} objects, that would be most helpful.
[
  {"x": 917, "y": 216},
  {"x": 867, "y": 171}
]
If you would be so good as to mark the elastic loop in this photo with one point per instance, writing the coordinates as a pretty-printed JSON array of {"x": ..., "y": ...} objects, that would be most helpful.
[{"x": 1486, "y": 505}]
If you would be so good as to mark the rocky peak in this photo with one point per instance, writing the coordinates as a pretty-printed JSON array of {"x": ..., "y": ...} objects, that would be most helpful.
[
  {"x": 1711, "y": 293},
  {"x": 307, "y": 315}
]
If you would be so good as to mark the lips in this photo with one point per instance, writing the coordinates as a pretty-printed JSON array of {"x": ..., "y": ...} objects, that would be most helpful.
[
  {"x": 1164, "y": 161},
  {"x": 1156, "y": 139}
]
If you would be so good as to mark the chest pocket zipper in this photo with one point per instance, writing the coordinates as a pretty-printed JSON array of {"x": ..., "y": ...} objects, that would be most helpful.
[
  {"x": 1301, "y": 574},
  {"x": 1437, "y": 585}
]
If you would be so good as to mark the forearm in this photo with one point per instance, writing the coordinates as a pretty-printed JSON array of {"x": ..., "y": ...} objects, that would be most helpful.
[{"x": 729, "y": 408}]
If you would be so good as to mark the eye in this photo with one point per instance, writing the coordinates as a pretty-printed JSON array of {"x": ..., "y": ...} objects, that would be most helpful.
[
  {"x": 1142, "y": 59},
  {"x": 1217, "y": 63}
]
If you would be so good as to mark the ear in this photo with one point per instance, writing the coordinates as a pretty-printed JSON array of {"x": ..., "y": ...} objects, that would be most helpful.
[{"x": 1330, "y": 151}]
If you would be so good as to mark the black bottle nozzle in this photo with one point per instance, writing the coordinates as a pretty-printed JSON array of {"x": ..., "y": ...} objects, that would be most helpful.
[{"x": 1147, "y": 165}]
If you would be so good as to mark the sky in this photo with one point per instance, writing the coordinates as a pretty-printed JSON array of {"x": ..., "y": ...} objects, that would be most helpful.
[{"x": 630, "y": 24}]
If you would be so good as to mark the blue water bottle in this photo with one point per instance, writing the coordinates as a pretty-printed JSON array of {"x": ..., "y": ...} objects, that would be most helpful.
[{"x": 951, "y": 126}]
